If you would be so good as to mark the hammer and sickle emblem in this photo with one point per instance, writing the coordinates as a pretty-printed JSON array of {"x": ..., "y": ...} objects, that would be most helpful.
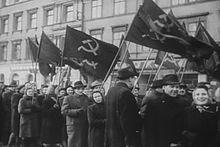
[
  {"x": 92, "y": 63},
  {"x": 166, "y": 23},
  {"x": 91, "y": 48}
]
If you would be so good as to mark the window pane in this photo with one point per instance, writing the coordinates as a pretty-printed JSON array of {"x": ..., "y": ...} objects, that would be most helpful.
[
  {"x": 96, "y": 8},
  {"x": 119, "y": 6},
  {"x": 33, "y": 20},
  {"x": 69, "y": 13},
  {"x": 49, "y": 17},
  {"x": 18, "y": 23},
  {"x": 5, "y": 25}
]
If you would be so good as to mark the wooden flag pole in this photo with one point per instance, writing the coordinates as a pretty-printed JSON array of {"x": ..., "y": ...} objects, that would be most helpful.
[
  {"x": 124, "y": 56},
  {"x": 148, "y": 81},
  {"x": 181, "y": 78},
  {"x": 158, "y": 70},
  {"x": 142, "y": 70}
]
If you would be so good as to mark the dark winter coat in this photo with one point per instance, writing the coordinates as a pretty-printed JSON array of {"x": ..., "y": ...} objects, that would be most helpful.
[
  {"x": 29, "y": 123},
  {"x": 122, "y": 117},
  {"x": 6, "y": 126},
  {"x": 163, "y": 122},
  {"x": 200, "y": 126},
  {"x": 75, "y": 109},
  {"x": 96, "y": 119},
  {"x": 15, "y": 116},
  {"x": 51, "y": 121}
]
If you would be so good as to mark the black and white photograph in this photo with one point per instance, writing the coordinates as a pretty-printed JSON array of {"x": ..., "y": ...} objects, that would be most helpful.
[{"x": 109, "y": 73}]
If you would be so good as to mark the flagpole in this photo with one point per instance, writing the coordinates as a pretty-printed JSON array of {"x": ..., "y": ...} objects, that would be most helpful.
[
  {"x": 120, "y": 46},
  {"x": 124, "y": 56},
  {"x": 181, "y": 78},
  {"x": 158, "y": 70},
  {"x": 115, "y": 58},
  {"x": 142, "y": 70},
  {"x": 148, "y": 81}
]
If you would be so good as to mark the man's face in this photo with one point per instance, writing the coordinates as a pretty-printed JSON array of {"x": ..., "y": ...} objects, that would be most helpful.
[
  {"x": 132, "y": 81},
  {"x": 44, "y": 90},
  {"x": 69, "y": 91},
  {"x": 182, "y": 91},
  {"x": 79, "y": 90},
  {"x": 62, "y": 92},
  {"x": 136, "y": 92},
  {"x": 171, "y": 90}
]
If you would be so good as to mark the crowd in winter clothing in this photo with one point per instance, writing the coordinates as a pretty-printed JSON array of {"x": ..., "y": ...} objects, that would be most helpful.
[{"x": 169, "y": 115}]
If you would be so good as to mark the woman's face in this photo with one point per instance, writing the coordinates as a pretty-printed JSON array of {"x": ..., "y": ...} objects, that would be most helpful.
[
  {"x": 200, "y": 96},
  {"x": 30, "y": 92},
  {"x": 69, "y": 91},
  {"x": 97, "y": 97}
]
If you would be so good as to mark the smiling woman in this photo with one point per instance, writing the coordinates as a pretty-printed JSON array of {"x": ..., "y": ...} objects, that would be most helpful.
[{"x": 200, "y": 120}]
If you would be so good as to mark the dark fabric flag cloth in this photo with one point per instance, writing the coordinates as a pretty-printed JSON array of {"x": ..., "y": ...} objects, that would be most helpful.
[
  {"x": 211, "y": 65},
  {"x": 125, "y": 55},
  {"x": 49, "y": 56},
  {"x": 33, "y": 46},
  {"x": 168, "y": 60},
  {"x": 92, "y": 55},
  {"x": 153, "y": 28}
]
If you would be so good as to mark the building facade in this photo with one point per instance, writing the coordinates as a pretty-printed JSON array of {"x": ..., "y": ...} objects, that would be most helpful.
[{"x": 104, "y": 19}]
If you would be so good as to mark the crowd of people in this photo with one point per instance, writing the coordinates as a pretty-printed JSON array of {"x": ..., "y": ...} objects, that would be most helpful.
[{"x": 169, "y": 115}]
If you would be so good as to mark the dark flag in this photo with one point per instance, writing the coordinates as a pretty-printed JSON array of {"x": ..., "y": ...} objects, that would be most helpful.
[
  {"x": 180, "y": 27},
  {"x": 153, "y": 28},
  {"x": 33, "y": 46},
  {"x": 211, "y": 65},
  {"x": 49, "y": 56},
  {"x": 168, "y": 60},
  {"x": 91, "y": 55},
  {"x": 171, "y": 33},
  {"x": 125, "y": 55}
]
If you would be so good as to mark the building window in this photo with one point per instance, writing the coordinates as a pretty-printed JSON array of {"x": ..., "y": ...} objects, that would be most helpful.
[
  {"x": 33, "y": 20},
  {"x": 68, "y": 13},
  {"x": 178, "y": 2},
  {"x": 96, "y": 8},
  {"x": 117, "y": 34},
  {"x": 79, "y": 10},
  {"x": 17, "y": 22},
  {"x": 5, "y": 3},
  {"x": 16, "y": 50},
  {"x": 97, "y": 33},
  {"x": 119, "y": 7},
  {"x": 49, "y": 16},
  {"x": 4, "y": 25},
  {"x": 3, "y": 51}
]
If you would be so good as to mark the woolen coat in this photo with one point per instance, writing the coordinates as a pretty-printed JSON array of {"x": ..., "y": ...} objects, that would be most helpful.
[
  {"x": 122, "y": 117},
  {"x": 29, "y": 123},
  {"x": 75, "y": 109},
  {"x": 15, "y": 116},
  {"x": 96, "y": 119},
  {"x": 163, "y": 121},
  {"x": 201, "y": 126},
  {"x": 6, "y": 125},
  {"x": 51, "y": 121}
]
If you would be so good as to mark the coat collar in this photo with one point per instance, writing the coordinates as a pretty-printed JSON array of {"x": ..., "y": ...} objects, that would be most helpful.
[{"x": 123, "y": 85}]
